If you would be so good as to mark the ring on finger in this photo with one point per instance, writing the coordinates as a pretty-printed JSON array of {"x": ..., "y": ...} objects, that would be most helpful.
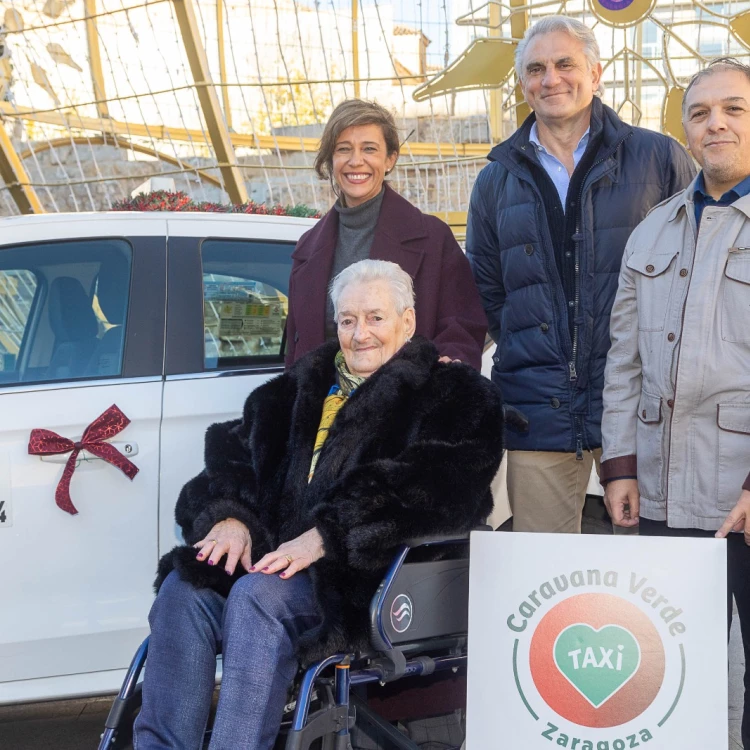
[{"x": 289, "y": 559}]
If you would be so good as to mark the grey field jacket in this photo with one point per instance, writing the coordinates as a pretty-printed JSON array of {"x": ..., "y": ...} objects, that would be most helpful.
[{"x": 677, "y": 379}]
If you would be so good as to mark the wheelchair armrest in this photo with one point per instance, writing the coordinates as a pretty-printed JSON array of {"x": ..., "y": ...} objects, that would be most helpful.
[
  {"x": 378, "y": 636},
  {"x": 458, "y": 538}
]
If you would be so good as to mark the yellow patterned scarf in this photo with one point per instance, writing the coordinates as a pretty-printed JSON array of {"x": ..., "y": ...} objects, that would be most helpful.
[{"x": 336, "y": 398}]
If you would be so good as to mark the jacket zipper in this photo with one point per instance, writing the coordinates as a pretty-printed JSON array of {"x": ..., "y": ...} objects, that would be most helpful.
[
  {"x": 547, "y": 259},
  {"x": 577, "y": 239},
  {"x": 578, "y": 425},
  {"x": 548, "y": 262}
]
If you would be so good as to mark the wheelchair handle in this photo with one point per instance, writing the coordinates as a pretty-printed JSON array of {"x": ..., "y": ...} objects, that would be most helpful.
[{"x": 378, "y": 637}]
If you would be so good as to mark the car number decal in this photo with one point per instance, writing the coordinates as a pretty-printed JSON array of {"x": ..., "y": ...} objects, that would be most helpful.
[{"x": 6, "y": 508}]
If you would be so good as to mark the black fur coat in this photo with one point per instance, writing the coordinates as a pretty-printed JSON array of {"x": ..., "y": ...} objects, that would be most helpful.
[{"x": 411, "y": 453}]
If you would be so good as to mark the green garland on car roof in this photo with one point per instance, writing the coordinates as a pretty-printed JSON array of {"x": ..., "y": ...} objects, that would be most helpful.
[{"x": 166, "y": 200}]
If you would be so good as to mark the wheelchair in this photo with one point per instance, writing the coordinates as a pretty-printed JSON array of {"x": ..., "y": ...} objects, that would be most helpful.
[{"x": 418, "y": 627}]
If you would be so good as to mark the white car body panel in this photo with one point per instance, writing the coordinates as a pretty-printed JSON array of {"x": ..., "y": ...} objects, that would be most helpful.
[
  {"x": 76, "y": 590},
  {"x": 81, "y": 589}
]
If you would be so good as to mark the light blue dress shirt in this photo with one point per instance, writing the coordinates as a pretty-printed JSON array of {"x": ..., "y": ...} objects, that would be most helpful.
[{"x": 553, "y": 166}]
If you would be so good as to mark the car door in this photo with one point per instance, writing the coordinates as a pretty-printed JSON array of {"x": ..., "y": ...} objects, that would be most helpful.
[
  {"x": 82, "y": 317},
  {"x": 224, "y": 333}
]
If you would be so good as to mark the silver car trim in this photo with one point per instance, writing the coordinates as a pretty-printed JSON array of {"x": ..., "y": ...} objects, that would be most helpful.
[
  {"x": 269, "y": 370},
  {"x": 67, "y": 385}
]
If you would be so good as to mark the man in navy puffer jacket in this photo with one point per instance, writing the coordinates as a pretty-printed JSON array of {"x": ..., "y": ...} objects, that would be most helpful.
[{"x": 548, "y": 222}]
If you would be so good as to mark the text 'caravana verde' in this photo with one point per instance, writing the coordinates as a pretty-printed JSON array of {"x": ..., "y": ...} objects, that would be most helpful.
[{"x": 637, "y": 586}]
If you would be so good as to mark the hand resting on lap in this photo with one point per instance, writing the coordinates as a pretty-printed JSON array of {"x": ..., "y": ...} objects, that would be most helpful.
[
  {"x": 292, "y": 556},
  {"x": 231, "y": 538}
]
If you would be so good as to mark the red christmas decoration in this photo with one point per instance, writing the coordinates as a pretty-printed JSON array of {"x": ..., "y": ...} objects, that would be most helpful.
[
  {"x": 104, "y": 427},
  {"x": 164, "y": 200}
]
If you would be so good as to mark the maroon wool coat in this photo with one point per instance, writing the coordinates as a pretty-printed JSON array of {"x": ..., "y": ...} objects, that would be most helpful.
[{"x": 449, "y": 310}]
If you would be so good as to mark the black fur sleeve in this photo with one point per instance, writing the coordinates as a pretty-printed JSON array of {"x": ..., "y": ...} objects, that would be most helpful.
[
  {"x": 224, "y": 489},
  {"x": 228, "y": 487},
  {"x": 438, "y": 484}
]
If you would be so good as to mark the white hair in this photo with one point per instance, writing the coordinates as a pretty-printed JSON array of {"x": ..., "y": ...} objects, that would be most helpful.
[
  {"x": 402, "y": 286},
  {"x": 570, "y": 26}
]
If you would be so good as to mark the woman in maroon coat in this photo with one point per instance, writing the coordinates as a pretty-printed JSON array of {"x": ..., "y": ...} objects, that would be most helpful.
[{"x": 358, "y": 149}]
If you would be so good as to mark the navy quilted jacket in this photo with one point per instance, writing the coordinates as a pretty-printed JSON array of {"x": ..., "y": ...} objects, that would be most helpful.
[{"x": 551, "y": 373}]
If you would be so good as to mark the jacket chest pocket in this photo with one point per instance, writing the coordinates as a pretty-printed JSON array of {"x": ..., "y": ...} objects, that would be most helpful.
[
  {"x": 653, "y": 286},
  {"x": 733, "y": 420},
  {"x": 735, "y": 303}
]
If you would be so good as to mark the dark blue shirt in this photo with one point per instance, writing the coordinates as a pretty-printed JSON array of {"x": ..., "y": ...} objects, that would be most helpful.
[{"x": 703, "y": 199}]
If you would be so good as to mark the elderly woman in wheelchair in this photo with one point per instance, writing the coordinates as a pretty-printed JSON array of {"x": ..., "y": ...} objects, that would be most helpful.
[{"x": 363, "y": 444}]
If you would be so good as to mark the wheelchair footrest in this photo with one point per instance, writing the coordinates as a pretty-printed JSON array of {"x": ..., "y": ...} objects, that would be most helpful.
[
  {"x": 393, "y": 736},
  {"x": 325, "y": 721}
]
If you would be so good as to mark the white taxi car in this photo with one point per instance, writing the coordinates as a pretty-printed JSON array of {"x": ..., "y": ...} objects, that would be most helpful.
[{"x": 171, "y": 318}]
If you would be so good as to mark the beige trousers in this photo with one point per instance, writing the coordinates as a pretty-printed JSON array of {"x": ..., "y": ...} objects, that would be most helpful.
[{"x": 547, "y": 490}]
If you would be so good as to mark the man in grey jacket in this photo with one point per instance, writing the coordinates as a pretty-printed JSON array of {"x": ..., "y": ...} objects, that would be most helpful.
[{"x": 676, "y": 424}]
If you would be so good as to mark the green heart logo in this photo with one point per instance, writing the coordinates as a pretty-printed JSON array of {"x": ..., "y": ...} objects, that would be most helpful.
[{"x": 597, "y": 663}]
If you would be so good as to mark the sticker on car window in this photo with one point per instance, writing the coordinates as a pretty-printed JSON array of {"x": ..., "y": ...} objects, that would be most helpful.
[
  {"x": 6, "y": 508},
  {"x": 239, "y": 319}
]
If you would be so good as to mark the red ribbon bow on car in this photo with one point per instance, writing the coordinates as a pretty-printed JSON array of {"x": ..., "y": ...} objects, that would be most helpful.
[{"x": 104, "y": 427}]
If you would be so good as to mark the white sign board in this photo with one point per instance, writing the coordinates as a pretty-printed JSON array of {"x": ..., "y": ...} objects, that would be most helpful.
[{"x": 597, "y": 643}]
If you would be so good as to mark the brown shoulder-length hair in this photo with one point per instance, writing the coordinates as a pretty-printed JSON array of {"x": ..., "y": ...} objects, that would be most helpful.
[{"x": 350, "y": 113}]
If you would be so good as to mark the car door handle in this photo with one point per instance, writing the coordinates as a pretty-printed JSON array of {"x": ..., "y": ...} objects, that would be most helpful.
[{"x": 127, "y": 447}]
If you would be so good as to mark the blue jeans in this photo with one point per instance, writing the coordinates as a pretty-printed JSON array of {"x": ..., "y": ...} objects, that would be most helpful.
[{"x": 256, "y": 628}]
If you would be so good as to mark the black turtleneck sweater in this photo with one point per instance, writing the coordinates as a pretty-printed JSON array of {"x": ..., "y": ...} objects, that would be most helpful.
[{"x": 356, "y": 233}]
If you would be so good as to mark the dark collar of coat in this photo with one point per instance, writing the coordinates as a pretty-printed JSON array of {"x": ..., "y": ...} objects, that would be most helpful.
[
  {"x": 401, "y": 236},
  {"x": 613, "y": 129},
  {"x": 309, "y": 380},
  {"x": 399, "y": 222}
]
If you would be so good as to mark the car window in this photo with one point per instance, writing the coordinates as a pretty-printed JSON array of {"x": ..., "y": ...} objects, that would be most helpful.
[
  {"x": 63, "y": 308},
  {"x": 17, "y": 290},
  {"x": 245, "y": 286}
]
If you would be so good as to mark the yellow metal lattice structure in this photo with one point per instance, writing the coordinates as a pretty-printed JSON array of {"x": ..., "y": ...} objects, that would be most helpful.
[{"x": 226, "y": 99}]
